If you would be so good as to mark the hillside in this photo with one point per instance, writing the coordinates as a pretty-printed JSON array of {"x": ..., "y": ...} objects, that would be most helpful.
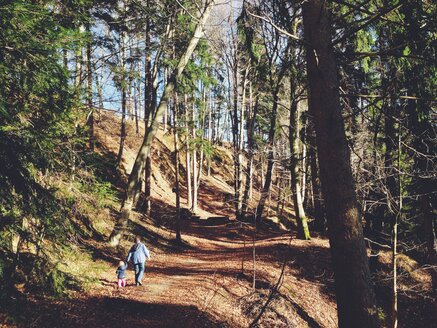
[
  {"x": 212, "y": 272},
  {"x": 207, "y": 281}
]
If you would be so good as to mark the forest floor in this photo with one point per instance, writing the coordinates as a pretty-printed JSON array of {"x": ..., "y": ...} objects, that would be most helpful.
[
  {"x": 207, "y": 281},
  {"x": 201, "y": 283}
]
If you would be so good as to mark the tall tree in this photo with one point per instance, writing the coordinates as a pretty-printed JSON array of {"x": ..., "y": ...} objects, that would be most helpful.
[
  {"x": 294, "y": 136},
  {"x": 144, "y": 151},
  {"x": 89, "y": 87},
  {"x": 38, "y": 110},
  {"x": 420, "y": 78},
  {"x": 177, "y": 164},
  {"x": 356, "y": 303},
  {"x": 123, "y": 87}
]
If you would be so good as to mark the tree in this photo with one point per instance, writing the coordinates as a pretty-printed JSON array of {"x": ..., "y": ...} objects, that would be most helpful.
[
  {"x": 177, "y": 171},
  {"x": 123, "y": 85},
  {"x": 139, "y": 164},
  {"x": 354, "y": 291},
  {"x": 294, "y": 136},
  {"x": 420, "y": 78},
  {"x": 38, "y": 106}
]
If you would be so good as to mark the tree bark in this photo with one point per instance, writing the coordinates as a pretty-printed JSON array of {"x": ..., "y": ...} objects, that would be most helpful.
[
  {"x": 253, "y": 109},
  {"x": 89, "y": 90},
  {"x": 201, "y": 157},
  {"x": 390, "y": 153},
  {"x": 270, "y": 156},
  {"x": 235, "y": 140},
  {"x": 149, "y": 108},
  {"x": 135, "y": 101},
  {"x": 394, "y": 303},
  {"x": 165, "y": 116},
  {"x": 150, "y": 133},
  {"x": 123, "y": 103},
  {"x": 188, "y": 156},
  {"x": 148, "y": 185},
  {"x": 210, "y": 127},
  {"x": 78, "y": 71},
  {"x": 239, "y": 197},
  {"x": 271, "y": 138},
  {"x": 194, "y": 160},
  {"x": 356, "y": 303},
  {"x": 177, "y": 172},
  {"x": 424, "y": 143},
  {"x": 294, "y": 133},
  {"x": 122, "y": 130},
  {"x": 319, "y": 215}
]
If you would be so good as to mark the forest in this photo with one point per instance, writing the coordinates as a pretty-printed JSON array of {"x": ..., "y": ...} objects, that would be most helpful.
[{"x": 276, "y": 157}]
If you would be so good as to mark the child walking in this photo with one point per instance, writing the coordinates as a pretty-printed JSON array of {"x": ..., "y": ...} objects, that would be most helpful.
[{"x": 121, "y": 274}]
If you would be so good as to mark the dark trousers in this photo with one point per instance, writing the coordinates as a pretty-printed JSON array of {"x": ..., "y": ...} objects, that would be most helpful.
[{"x": 139, "y": 272}]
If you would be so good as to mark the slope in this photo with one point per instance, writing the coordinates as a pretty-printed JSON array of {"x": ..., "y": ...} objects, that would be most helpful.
[{"x": 207, "y": 281}]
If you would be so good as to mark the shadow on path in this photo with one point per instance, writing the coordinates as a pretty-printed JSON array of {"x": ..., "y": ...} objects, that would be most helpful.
[{"x": 109, "y": 312}]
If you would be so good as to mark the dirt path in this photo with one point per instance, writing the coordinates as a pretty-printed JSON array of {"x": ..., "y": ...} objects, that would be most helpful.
[{"x": 202, "y": 284}]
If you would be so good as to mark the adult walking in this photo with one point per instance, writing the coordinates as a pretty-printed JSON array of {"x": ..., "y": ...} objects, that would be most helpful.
[{"x": 138, "y": 253}]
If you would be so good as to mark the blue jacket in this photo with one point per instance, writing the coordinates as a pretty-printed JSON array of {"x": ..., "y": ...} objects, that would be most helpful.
[
  {"x": 121, "y": 271},
  {"x": 139, "y": 253}
]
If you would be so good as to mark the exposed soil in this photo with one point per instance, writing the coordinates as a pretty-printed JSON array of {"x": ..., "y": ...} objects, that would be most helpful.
[{"x": 201, "y": 284}]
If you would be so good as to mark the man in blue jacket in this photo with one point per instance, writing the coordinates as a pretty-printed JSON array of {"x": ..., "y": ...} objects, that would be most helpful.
[{"x": 138, "y": 253}]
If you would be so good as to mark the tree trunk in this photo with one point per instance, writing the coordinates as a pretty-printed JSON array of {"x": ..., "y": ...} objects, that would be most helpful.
[
  {"x": 149, "y": 135},
  {"x": 135, "y": 101},
  {"x": 123, "y": 104},
  {"x": 78, "y": 65},
  {"x": 235, "y": 135},
  {"x": 65, "y": 58},
  {"x": 165, "y": 118},
  {"x": 122, "y": 130},
  {"x": 394, "y": 303},
  {"x": 89, "y": 91},
  {"x": 241, "y": 147},
  {"x": 210, "y": 127},
  {"x": 129, "y": 110},
  {"x": 253, "y": 109},
  {"x": 431, "y": 240},
  {"x": 218, "y": 114},
  {"x": 319, "y": 215},
  {"x": 188, "y": 156},
  {"x": 294, "y": 136},
  {"x": 270, "y": 157},
  {"x": 356, "y": 303},
  {"x": 389, "y": 157},
  {"x": 177, "y": 173},
  {"x": 149, "y": 108},
  {"x": 99, "y": 87},
  {"x": 304, "y": 163},
  {"x": 424, "y": 145},
  {"x": 194, "y": 160},
  {"x": 148, "y": 185}
]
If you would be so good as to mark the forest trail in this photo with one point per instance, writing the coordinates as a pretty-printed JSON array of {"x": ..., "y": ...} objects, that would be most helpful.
[
  {"x": 201, "y": 285},
  {"x": 173, "y": 120}
]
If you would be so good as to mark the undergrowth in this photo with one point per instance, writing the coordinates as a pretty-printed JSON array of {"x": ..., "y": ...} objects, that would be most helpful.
[{"x": 45, "y": 253}]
